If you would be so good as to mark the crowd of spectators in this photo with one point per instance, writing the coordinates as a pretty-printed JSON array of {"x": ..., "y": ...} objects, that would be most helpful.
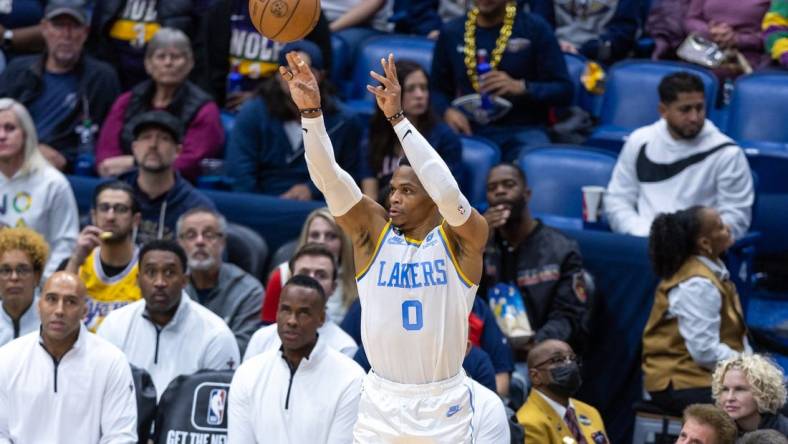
[{"x": 137, "y": 92}]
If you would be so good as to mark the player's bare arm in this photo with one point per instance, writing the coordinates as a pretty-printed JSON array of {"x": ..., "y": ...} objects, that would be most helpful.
[
  {"x": 359, "y": 216},
  {"x": 466, "y": 229}
]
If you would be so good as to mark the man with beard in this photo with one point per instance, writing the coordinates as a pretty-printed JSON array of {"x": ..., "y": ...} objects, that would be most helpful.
[
  {"x": 228, "y": 291},
  {"x": 680, "y": 161},
  {"x": 551, "y": 415},
  {"x": 537, "y": 262},
  {"x": 163, "y": 195},
  {"x": 105, "y": 257},
  {"x": 67, "y": 92},
  {"x": 166, "y": 333}
]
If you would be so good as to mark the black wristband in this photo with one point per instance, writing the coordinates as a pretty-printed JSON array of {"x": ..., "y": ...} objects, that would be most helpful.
[
  {"x": 305, "y": 111},
  {"x": 396, "y": 116}
]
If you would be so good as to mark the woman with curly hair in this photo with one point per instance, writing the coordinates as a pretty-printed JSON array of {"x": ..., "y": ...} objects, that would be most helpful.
[
  {"x": 23, "y": 255},
  {"x": 696, "y": 320},
  {"x": 751, "y": 390}
]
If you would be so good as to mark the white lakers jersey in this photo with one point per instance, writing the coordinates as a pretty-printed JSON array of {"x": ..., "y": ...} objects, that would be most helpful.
[{"x": 415, "y": 302}]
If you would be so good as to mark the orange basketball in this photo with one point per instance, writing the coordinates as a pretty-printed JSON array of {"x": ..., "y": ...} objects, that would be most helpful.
[{"x": 284, "y": 20}]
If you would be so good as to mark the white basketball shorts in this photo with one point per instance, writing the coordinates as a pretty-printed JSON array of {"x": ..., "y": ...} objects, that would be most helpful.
[{"x": 434, "y": 413}]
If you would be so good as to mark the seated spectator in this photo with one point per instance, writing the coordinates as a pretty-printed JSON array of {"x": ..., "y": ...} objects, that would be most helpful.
[
  {"x": 20, "y": 28},
  {"x": 696, "y": 320},
  {"x": 320, "y": 227},
  {"x": 677, "y": 162},
  {"x": 357, "y": 20},
  {"x": 266, "y": 150},
  {"x": 168, "y": 60},
  {"x": 23, "y": 253},
  {"x": 303, "y": 391},
  {"x": 319, "y": 263},
  {"x": 122, "y": 29},
  {"x": 231, "y": 293},
  {"x": 68, "y": 93},
  {"x": 34, "y": 194},
  {"x": 106, "y": 257},
  {"x": 536, "y": 261},
  {"x": 166, "y": 333},
  {"x": 775, "y": 32},
  {"x": 160, "y": 191},
  {"x": 665, "y": 24},
  {"x": 528, "y": 69},
  {"x": 420, "y": 17},
  {"x": 706, "y": 424},
  {"x": 600, "y": 30},
  {"x": 233, "y": 44},
  {"x": 382, "y": 151},
  {"x": 751, "y": 390},
  {"x": 732, "y": 25},
  {"x": 763, "y": 437},
  {"x": 62, "y": 381},
  {"x": 551, "y": 415}
]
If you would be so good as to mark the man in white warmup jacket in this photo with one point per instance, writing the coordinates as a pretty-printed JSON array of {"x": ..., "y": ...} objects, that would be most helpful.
[
  {"x": 303, "y": 392},
  {"x": 316, "y": 261},
  {"x": 680, "y": 161},
  {"x": 63, "y": 383},
  {"x": 167, "y": 333}
]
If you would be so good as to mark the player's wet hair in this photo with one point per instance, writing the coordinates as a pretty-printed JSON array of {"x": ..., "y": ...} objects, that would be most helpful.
[{"x": 673, "y": 240}]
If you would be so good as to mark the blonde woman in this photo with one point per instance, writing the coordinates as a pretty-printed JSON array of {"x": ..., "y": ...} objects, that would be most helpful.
[
  {"x": 33, "y": 193},
  {"x": 320, "y": 227},
  {"x": 751, "y": 390}
]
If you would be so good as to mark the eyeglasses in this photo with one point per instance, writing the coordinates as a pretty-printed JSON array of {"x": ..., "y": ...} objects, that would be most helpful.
[
  {"x": 210, "y": 236},
  {"x": 118, "y": 208},
  {"x": 558, "y": 360},
  {"x": 22, "y": 271}
]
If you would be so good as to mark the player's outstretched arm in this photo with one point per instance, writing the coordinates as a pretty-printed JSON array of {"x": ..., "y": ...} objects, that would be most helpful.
[
  {"x": 360, "y": 217},
  {"x": 467, "y": 228}
]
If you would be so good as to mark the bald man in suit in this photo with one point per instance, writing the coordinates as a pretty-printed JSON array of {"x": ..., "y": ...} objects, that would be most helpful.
[{"x": 551, "y": 415}]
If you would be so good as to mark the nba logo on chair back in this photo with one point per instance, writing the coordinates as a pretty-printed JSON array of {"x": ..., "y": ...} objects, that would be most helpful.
[{"x": 209, "y": 407}]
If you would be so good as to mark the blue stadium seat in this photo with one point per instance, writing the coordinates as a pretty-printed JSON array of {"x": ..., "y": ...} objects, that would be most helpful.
[
  {"x": 556, "y": 173},
  {"x": 771, "y": 206},
  {"x": 758, "y": 109},
  {"x": 340, "y": 56},
  {"x": 414, "y": 48},
  {"x": 576, "y": 65},
  {"x": 478, "y": 157},
  {"x": 631, "y": 99}
]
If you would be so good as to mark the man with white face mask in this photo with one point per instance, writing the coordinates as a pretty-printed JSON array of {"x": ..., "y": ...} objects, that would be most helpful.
[{"x": 223, "y": 288}]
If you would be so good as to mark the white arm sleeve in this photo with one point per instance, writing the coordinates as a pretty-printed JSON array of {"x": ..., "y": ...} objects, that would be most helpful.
[
  {"x": 735, "y": 193},
  {"x": 434, "y": 174},
  {"x": 338, "y": 187},
  {"x": 696, "y": 303}
]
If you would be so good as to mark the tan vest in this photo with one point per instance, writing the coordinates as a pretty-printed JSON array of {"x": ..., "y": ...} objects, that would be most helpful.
[{"x": 665, "y": 356}]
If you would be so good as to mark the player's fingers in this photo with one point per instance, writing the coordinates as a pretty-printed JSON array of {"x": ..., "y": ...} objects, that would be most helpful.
[
  {"x": 393, "y": 68},
  {"x": 383, "y": 80},
  {"x": 377, "y": 91}
]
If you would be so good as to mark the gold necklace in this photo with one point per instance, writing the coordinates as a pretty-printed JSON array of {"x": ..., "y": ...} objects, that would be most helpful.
[{"x": 500, "y": 43}]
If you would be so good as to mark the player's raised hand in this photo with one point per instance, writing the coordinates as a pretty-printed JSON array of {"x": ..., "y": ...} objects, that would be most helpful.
[
  {"x": 388, "y": 93},
  {"x": 302, "y": 83}
]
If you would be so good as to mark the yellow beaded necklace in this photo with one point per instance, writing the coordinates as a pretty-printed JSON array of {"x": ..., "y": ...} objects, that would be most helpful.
[{"x": 500, "y": 43}]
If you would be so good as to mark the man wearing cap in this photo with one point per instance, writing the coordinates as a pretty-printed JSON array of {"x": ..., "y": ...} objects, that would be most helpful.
[
  {"x": 67, "y": 92},
  {"x": 163, "y": 195},
  {"x": 266, "y": 151}
]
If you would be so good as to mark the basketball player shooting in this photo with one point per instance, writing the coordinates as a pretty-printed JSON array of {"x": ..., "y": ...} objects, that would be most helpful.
[{"x": 419, "y": 265}]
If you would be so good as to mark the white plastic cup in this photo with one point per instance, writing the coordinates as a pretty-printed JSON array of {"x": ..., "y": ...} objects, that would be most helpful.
[{"x": 592, "y": 202}]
